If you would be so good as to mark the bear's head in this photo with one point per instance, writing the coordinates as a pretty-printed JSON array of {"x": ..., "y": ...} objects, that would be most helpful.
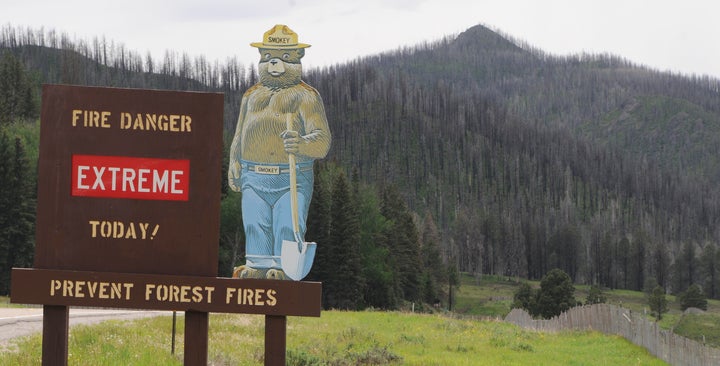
[{"x": 280, "y": 68}]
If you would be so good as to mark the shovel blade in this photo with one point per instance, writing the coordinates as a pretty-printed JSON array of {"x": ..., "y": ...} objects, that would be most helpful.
[{"x": 296, "y": 258}]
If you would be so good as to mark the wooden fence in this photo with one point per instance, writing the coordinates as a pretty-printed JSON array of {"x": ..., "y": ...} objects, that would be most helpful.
[{"x": 611, "y": 319}]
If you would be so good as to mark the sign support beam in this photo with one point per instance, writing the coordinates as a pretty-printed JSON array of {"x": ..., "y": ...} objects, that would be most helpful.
[
  {"x": 56, "y": 320},
  {"x": 275, "y": 340},
  {"x": 196, "y": 338}
]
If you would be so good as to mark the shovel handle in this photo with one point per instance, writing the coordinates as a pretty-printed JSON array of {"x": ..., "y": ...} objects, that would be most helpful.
[{"x": 293, "y": 182}]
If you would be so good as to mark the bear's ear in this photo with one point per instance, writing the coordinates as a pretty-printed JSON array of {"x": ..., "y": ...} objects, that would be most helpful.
[{"x": 300, "y": 52}]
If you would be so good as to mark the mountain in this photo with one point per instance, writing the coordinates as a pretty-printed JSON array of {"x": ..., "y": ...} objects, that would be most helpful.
[
  {"x": 505, "y": 145},
  {"x": 585, "y": 92},
  {"x": 527, "y": 161}
]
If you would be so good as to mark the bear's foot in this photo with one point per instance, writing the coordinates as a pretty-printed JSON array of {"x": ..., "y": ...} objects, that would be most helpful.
[
  {"x": 248, "y": 272},
  {"x": 276, "y": 274}
]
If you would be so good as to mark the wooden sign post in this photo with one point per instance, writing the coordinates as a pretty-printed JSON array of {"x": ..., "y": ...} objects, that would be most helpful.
[{"x": 128, "y": 217}]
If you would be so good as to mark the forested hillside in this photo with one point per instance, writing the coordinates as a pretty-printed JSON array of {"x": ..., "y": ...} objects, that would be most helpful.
[
  {"x": 497, "y": 141},
  {"x": 525, "y": 161}
]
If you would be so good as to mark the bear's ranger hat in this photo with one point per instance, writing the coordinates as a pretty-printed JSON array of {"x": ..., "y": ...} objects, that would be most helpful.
[{"x": 280, "y": 37}]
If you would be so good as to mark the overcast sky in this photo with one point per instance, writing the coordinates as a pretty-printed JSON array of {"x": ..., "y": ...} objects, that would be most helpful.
[{"x": 668, "y": 35}]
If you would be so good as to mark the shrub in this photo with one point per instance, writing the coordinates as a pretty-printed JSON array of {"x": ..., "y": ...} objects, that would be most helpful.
[
  {"x": 693, "y": 298},
  {"x": 524, "y": 298},
  {"x": 657, "y": 302},
  {"x": 556, "y": 295},
  {"x": 595, "y": 296}
]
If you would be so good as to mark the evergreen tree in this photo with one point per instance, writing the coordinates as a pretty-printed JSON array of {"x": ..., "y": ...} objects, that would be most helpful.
[
  {"x": 318, "y": 225},
  {"x": 402, "y": 237},
  {"x": 624, "y": 262},
  {"x": 556, "y": 294},
  {"x": 693, "y": 298},
  {"x": 605, "y": 261},
  {"x": 637, "y": 261},
  {"x": 453, "y": 282},
  {"x": 657, "y": 302},
  {"x": 710, "y": 270},
  {"x": 24, "y": 212},
  {"x": 525, "y": 298},
  {"x": 16, "y": 90},
  {"x": 17, "y": 210},
  {"x": 661, "y": 263},
  {"x": 232, "y": 234},
  {"x": 435, "y": 270},
  {"x": 6, "y": 219},
  {"x": 344, "y": 284},
  {"x": 565, "y": 243},
  {"x": 685, "y": 268},
  {"x": 380, "y": 290},
  {"x": 595, "y": 296}
]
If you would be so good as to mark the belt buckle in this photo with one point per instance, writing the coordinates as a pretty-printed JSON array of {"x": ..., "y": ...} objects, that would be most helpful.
[{"x": 267, "y": 169}]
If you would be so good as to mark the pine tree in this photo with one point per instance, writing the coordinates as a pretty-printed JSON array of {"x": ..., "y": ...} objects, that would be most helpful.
[
  {"x": 595, "y": 296},
  {"x": 379, "y": 290},
  {"x": 710, "y": 270},
  {"x": 657, "y": 302},
  {"x": 685, "y": 269},
  {"x": 344, "y": 283},
  {"x": 24, "y": 210},
  {"x": 232, "y": 234},
  {"x": 402, "y": 237},
  {"x": 565, "y": 243},
  {"x": 605, "y": 261},
  {"x": 693, "y": 297},
  {"x": 623, "y": 261},
  {"x": 556, "y": 294},
  {"x": 318, "y": 225},
  {"x": 637, "y": 261},
  {"x": 434, "y": 268},
  {"x": 524, "y": 298},
  {"x": 17, "y": 210},
  {"x": 6, "y": 222},
  {"x": 661, "y": 262},
  {"x": 16, "y": 90}
]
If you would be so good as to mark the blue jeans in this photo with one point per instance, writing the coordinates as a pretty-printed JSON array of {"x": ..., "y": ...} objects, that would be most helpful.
[{"x": 266, "y": 209}]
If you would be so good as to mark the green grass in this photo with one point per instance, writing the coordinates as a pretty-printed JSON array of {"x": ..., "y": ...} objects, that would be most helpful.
[
  {"x": 394, "y": 338},
  {"x": 700, "y": 327},
  {"x": 145, "y": 342},
  {"x": 5, "y": 303},
  {"x": 343, "y": 338},
  {"x": 491, "y": 296}
]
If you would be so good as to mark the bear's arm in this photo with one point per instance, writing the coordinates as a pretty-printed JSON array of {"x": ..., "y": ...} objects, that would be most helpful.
[
  {"x": 234, "y": 158},
  {"x": 316, "y": 138}
]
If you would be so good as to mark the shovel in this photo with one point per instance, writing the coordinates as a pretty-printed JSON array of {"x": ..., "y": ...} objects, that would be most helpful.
[{"x": 296, "y": 257}]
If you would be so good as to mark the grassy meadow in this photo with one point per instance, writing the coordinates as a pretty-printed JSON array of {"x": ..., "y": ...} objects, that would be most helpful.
[
  {"x": 492, "y": 296},
  {"x": 471, "y": 335},
  {"x": 342, "y": 338}
]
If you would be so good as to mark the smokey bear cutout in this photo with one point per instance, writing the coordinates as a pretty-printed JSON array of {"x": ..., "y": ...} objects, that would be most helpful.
[{"x": 281, "y": 130}]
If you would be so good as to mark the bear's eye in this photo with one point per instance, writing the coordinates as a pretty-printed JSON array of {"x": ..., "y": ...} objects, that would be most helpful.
[
  {"x": 266, "y": 56},
  {"x": 286, "y": 56}
]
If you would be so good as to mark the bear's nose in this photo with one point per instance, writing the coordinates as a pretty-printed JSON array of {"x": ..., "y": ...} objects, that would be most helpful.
[{"x": 273, "y": 62}]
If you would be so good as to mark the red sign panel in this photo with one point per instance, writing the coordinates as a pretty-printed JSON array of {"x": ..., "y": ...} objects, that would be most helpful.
[{"x": 127, "y": 177}]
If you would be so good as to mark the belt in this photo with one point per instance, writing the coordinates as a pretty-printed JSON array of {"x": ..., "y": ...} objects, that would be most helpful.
[{"x": 275, "y": 169}]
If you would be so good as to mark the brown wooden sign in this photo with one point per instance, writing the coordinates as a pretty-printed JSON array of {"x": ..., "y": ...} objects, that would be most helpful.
[
  {"x": 165, "y": 292},
  {"x": 128, "y": 217},
  {"x": 129, "y": 180}
]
